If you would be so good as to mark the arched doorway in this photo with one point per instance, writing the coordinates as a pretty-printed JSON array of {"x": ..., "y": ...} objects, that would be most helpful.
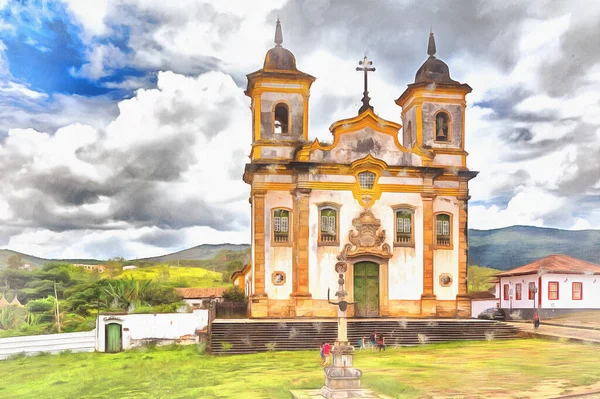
[
  {"x": 114, "y": 341},
  {"x": 366, "y": 289}
]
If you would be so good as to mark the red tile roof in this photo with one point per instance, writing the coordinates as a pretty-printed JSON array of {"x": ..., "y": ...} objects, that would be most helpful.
[
  {"x": 482, "y": 295},
  {"x": 194, "y": 293},
  {"x": 560, "y": 264}
]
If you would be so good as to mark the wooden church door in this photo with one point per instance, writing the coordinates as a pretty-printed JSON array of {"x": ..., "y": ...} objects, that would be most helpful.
[{"x": 366, "y": 289}]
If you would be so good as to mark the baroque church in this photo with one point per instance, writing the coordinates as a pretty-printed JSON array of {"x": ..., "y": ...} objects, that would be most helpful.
[{"x": 391, "y": 208}]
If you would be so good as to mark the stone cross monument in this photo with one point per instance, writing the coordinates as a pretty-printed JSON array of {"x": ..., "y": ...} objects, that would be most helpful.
[{"x": 341, "y": 379}]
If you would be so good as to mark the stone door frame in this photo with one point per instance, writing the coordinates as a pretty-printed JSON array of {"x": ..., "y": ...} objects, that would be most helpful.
[{"x": 383, "y": 282}]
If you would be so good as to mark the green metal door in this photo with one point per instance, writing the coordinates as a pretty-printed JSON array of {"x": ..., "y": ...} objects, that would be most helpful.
[
  {"x": 113, "y": 338},
  {"x": 366, "y": 289}
]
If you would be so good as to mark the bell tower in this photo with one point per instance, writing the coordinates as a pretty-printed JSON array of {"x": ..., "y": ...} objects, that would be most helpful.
[
  {"x": 433, "y": 112},
  {"x": 279, "y": 93}
]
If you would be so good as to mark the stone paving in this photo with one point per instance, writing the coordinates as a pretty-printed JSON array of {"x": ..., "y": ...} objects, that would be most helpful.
[{"x": 569, "y": 333}]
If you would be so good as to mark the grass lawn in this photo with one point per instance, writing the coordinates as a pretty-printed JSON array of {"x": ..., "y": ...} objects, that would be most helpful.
[
  {"x": 520, "y": 368},
  {"x": 181, "y": 276}
]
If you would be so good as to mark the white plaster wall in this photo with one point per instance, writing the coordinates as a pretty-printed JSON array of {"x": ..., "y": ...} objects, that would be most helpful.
[
  {"x": 446, "y": 260},
  {"x": 479, "y": 305},
  {"x": 53, "y": 343},
  {"x": 591, "y": 291},
  {"x": 447, "y": 159},
  {"x": 405, "y": 269},
  {"x": 278, "y": 178},
  {"x": 359, "y": 144},
  {"x": 278, "y": 258},
  {"x": 525, "y": 302},
  {"x": 415, "y": 181},
  {"x": 165, "y": 326},
  {"x": 322, "y": 259},
  {"x": 277, "y": 152}
]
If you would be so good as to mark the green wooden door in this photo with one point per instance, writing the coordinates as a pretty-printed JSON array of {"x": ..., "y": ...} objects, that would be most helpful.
[
  {"x": 113, "y": 338},
  {"x": 366, "y": 289}
]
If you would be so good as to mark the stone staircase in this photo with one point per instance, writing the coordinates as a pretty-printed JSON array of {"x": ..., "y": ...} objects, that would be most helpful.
[{"x": 252, "y": 335}]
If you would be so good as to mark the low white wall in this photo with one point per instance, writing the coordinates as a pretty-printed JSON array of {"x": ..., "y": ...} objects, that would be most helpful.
[
  {"x": 53, "y": 343},
  {"x": 136, "y": 329},
  {"x": 479, "y": 305}
]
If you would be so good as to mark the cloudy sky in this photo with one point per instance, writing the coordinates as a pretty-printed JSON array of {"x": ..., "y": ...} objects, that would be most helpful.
[{"x": 124, "y": 129}]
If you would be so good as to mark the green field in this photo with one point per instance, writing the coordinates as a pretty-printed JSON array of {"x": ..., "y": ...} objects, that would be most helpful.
[
  {"x": 178, "y": 276},
  {"x": 520, "y": 368}
]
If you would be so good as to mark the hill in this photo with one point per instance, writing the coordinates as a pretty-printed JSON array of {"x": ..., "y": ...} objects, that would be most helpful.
[
  {"x": 32, "y": 260},
  {"x": 176, "y": 276},
  {"x": 514, "y": 246},
  {"x": 199, "y": 252}
]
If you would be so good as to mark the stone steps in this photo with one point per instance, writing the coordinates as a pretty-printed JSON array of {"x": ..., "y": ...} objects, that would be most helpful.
[{"x": 259, "y": 336}]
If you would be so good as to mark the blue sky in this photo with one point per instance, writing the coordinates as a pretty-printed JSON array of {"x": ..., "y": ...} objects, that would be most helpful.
[{"x": 107, "y": 106}]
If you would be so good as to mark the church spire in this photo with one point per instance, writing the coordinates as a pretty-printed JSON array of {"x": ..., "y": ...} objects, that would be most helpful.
[
  {"x": 431, "y": 45},
  {"x": 278, "y": 34}
]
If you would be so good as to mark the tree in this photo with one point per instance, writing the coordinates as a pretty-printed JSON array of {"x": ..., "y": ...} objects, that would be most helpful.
[
  {"x": 234, "y": 294},
  {"x": 15, "y": 262},
  {"x": 231, "y": 267}
]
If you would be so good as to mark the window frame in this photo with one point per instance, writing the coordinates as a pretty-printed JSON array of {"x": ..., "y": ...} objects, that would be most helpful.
[
  {"x": 289, "y": 121},
  {"x": 323, "y": 207},
  {"x": 450, "y": 231},
  {"x": 518, "y": 291},
  {"x": 580, "y": 291},
  {"x": 449, "y": 115},
  {"x": 557, "y": 290},
  {"x": 288, "y": 242},
  {"x": 400, "y": 208},
  {"x": 506, "y": 292}
]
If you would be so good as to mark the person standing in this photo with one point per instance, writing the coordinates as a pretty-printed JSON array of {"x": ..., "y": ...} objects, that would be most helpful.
[
  {"x": 536, "y": 320},
  {"x": 381, "y": 343},
  {"x": 325, "y": 352}
]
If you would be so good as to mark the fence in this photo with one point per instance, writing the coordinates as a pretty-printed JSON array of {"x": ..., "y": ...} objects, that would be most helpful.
[
  {"x": 231, "y": 310},
  {"x": 53, "y": 343}
]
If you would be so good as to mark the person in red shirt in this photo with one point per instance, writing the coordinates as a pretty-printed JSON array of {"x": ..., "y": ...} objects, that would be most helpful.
[{"x": 325, "y": 352}]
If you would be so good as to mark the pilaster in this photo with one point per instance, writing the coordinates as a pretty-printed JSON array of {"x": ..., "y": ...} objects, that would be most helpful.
[
  {"x": 259, "y": 243},
  {"x": 300, "y": 284}
]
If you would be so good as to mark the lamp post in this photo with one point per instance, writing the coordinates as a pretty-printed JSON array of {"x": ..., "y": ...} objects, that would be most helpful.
[{"x": 534, "y": 290}]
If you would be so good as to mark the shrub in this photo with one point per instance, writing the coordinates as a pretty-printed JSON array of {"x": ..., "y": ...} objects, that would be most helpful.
[{"x": 234, "y": 294}]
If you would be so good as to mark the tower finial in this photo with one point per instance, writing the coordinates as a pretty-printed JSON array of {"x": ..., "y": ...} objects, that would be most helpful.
[
  {"x": 278, "y": 34},
  {"x": 431, "y": 44}
]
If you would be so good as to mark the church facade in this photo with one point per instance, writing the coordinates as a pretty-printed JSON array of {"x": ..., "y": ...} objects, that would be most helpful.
[{"x": 388, "y": 208}]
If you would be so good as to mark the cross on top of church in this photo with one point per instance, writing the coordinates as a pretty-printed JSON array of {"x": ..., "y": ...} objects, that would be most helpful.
[{"x": 365, "y": 66}]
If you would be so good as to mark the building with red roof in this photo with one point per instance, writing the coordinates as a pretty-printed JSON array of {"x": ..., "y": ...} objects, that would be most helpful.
[{"x": 554, "y": 284}]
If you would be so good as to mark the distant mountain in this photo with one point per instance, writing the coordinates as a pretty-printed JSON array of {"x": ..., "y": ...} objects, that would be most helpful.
[
  {"x": 32, "y": 260},
  {"x": 39, "y": 262},
  {"x": 199, "y": 252},
  {"x": 514, "y": 246},
  {"x": 501, "y": 249}
]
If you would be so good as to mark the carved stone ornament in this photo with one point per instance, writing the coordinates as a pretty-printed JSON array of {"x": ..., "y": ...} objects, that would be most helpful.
[
  {"x": 367, "y": 239},
  {"x": 445, "y": 279}
]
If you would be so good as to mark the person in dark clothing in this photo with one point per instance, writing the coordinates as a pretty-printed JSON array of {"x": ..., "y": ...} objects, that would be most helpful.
[
  {"x": 381, "y": 343},
  {"x": 536, "y": 321}
]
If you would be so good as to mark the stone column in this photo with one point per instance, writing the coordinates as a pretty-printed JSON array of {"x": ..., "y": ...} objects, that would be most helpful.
[
  {"x": 428, "y": 299},
  {"x": 463, "y": 302},
  {"x": 259, "y": 244},
  {"x": 300, "y": 273}
]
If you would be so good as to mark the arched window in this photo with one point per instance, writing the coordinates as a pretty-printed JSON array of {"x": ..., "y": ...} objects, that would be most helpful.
[
  {"x": 407, "y": 139},
  {"x": 404, "y": 227},
  {"x": 281, "y": 119},
  {"x": 366, "y": 180},
  {"x": 442, "y": 126},
  {"x": 443, "y": 230},
  {"x": 281, "y": 226}
]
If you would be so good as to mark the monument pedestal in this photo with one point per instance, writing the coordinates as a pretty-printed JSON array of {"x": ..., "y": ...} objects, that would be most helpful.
[{"x": 341, "y": 379}]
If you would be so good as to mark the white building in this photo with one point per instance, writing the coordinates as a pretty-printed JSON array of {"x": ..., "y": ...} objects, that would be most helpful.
[{"x": 555, "y": 284}]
